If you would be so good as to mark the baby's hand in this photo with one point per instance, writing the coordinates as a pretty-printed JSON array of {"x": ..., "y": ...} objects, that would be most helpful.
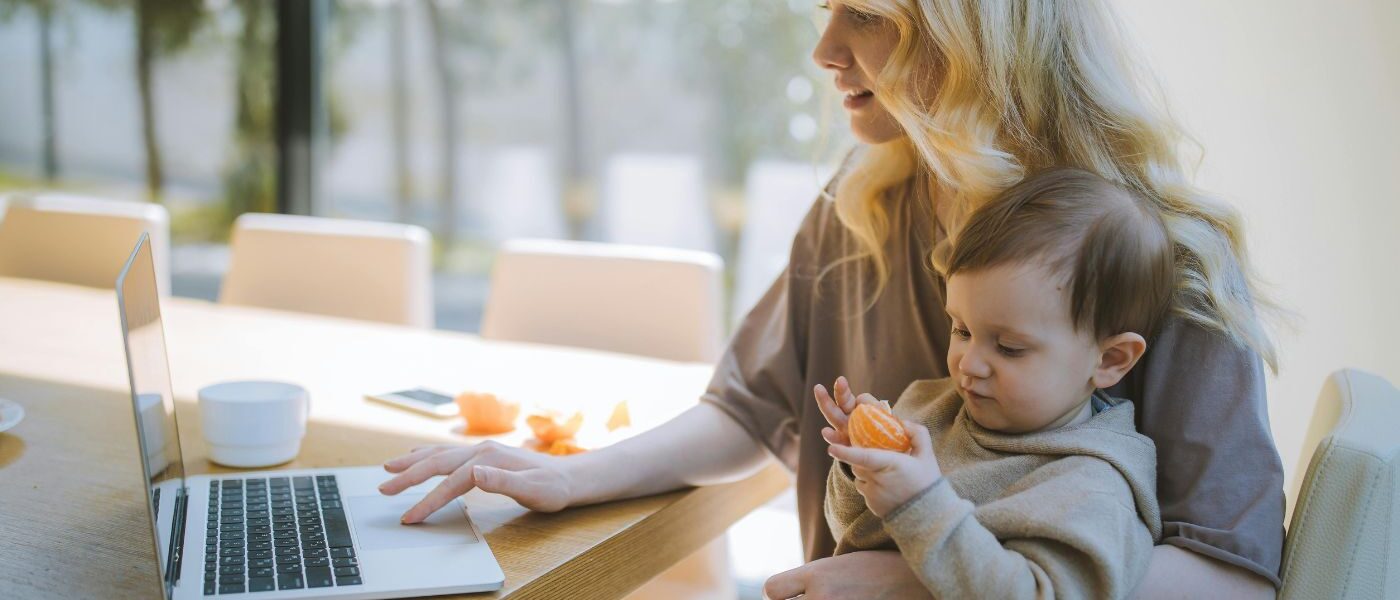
[
  {"x": 838, "y": 410},
  {"x": 888, "y": 479}
]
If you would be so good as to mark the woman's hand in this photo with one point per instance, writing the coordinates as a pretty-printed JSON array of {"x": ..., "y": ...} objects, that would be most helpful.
[
  {"x": 888, "y": 479},
  {"x": 864, "y": 575},
  {"x": 837, "y": 409},
  {"x": 537, "y": 481}
]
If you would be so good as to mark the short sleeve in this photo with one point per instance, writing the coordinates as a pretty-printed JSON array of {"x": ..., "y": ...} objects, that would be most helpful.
[{"x": 759, "y": 377}]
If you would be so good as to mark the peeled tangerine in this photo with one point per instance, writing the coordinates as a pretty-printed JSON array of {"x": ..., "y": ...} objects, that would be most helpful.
[
  {"x": 565, "y": 448},
  {"x": 549, "y": 430},
  {"x": 875, "y": 426},
  {"x": 486, "y": 414}
]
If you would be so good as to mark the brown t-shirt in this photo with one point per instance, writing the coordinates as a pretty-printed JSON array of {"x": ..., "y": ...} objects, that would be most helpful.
[{"x": 1200, "y": 396}]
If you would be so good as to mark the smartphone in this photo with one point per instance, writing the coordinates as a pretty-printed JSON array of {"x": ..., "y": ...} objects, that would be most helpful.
[{"x": 420, "y": 400}]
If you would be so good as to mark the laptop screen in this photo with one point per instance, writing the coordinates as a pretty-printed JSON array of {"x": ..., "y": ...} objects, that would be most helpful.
[{"x": 158, "y": 436}]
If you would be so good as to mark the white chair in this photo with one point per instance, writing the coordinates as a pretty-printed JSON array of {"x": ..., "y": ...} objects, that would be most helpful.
[
  {"x": 1344, "y": 535},
  {"x": 80, "y": 239},
  {"x": 656, "y": 200},
  {"x": 354, "y": 269},
  {"x": 776, "y": 196},
  {"x": 657, "y": 302}
]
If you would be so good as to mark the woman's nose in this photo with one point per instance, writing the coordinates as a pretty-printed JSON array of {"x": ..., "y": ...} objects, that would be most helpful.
[{"x": 831, "y": 51}]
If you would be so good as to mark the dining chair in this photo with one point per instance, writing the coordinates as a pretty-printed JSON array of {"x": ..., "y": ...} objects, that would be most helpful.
[
  {"x": 76, "y": 239},
  {"x": 1344, "y": 535},
  {"x": 649, "y": 301},
  {"x": 338, "y": 267}
]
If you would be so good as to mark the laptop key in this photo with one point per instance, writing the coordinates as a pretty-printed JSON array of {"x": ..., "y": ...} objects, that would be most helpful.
[
  {"x": 263, "y": 572},
  {"x": 260, "y": 563},
  {"x": 289, "y": 582},
  {"x": 342, "y": 552},
  {"x": 259, "y": 555},
  {"x": 230, "y": 561},
  {"x": 318, "y": 577},
  {"x": 318, "y": 562},
  {"x": 232, "y": 588},
  {"x": 210, "y": 587},
  {"x": 346, "y": 571},
  {"x": 292, "y": 568},
  {"x": 345, "y": 562},
  {"x": 337, "y": 530},
  {"x": 231, "y": 569},
  {"x": 355, "y": 580},
  {"x": 261, "y": 584}
]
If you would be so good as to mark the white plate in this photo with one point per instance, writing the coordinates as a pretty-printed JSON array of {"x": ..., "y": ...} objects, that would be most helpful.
[{"x": 10, "y": 414}]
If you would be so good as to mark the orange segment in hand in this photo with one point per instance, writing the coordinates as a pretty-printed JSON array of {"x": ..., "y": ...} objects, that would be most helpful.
[
  {"x": 549, "y": 430},
  {"x": 874, "y": 426},
  {"x": 487, "y": 414}
]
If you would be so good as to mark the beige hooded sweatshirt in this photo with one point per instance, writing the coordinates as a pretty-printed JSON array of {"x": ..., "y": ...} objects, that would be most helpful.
[{"x": 1066, "y": 513}]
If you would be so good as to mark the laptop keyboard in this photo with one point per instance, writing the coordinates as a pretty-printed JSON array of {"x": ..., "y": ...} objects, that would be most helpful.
[{"x": 278, "y": 533}]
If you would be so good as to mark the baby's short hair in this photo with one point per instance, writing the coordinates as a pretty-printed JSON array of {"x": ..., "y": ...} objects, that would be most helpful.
[{"x": 1109, "y": 243}]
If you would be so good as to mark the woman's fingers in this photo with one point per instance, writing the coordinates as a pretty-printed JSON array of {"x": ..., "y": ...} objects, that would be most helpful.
[
  {"x": 534, "y": 488},
  {"x": 403, "y": 462},
  {"x": 439, "y": 463},
  {"x": 788, "y": 584},
  {"x": 456, "y": 484},
  {"x": 834, "y": 415}
]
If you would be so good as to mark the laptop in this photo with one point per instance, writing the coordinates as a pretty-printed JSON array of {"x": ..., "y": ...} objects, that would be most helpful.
[{"x": 306, "y": 533}]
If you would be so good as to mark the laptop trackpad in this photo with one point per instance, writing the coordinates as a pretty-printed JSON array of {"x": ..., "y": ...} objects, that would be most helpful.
[{"x": 377, "y": 524}]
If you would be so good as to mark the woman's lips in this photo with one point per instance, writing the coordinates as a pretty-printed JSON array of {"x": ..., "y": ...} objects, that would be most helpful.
[{"x": 858, "y": 100}]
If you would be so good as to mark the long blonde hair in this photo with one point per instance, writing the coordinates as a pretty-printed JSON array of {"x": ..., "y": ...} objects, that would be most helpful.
[{"x": 1021, "y": 85}]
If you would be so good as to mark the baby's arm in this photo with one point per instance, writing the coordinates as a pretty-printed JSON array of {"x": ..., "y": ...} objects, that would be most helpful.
[{"x": 1060, "y": 537}]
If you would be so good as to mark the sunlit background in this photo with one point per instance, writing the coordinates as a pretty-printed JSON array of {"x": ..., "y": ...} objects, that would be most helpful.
[{"x": 688, "y": 123}]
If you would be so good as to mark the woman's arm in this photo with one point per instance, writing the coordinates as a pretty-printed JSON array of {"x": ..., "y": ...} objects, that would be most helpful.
[
  {"x": 1179, "y": 573},
  {"x": 658, "y": 460}
]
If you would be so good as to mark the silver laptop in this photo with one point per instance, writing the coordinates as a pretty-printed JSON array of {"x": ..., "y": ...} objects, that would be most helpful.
[{"x": 314, "y": 533}]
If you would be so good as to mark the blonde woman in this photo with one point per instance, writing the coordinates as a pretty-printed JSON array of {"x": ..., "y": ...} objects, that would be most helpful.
[{"x": 954, "y": 101}]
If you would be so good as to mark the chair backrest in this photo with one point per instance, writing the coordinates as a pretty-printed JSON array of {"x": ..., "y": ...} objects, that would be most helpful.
[
  {"x": 658, "y": 302},
  {"x": 355, "y": 269},
  {"x": 80, "y": 239},
  {"x": 1344, "y": 536}
]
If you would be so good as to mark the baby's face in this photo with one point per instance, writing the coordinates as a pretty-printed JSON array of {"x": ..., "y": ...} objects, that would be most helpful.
[{"x": 1019, "y": 363}]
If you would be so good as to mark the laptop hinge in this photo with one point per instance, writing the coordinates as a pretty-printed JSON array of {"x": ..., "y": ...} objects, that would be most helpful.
[{"x": 177, "y": 540}]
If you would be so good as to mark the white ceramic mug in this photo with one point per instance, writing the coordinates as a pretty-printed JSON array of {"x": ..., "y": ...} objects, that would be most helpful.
[{"x": 253, "y": 423}]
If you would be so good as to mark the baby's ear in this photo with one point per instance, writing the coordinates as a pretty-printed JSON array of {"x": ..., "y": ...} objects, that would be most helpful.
[{"x": 1117, "y": 355}]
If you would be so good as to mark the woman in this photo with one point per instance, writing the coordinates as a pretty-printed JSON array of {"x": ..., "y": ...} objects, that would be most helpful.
[{"x": 954, "y": 101}]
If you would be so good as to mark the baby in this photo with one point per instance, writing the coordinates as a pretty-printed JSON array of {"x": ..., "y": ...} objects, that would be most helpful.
[{"x": 1024, "y": 480}]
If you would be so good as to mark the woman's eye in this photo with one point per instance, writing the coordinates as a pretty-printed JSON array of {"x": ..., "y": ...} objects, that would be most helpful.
[{"x": 861, "y": 17}]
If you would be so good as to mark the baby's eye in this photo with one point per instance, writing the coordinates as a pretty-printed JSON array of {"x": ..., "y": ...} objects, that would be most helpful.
[
  {"x": 1009, "y": 351},
  {"x": 961, "y": 333}
]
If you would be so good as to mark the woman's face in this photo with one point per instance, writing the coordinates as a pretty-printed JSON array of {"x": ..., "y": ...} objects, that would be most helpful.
[{"x": 854, "y": 47}]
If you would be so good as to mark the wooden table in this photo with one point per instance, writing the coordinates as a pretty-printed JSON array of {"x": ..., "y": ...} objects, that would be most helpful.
[{"x": 72, "y": 515}]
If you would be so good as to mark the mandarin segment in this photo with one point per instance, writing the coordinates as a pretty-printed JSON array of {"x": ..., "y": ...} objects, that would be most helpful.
[
  {"x": 875, "y": 426},
  {"x": 548, "y": 429}
]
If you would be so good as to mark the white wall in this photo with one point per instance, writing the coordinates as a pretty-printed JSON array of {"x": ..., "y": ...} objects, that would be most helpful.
[{"x": 1297, "y": 105}]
